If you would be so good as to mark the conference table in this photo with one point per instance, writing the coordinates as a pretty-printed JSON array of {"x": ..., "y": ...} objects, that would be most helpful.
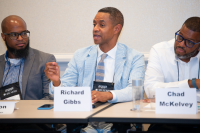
[
  {"x": 121, "y": 113},
  {"x": 27, "y": 112}
]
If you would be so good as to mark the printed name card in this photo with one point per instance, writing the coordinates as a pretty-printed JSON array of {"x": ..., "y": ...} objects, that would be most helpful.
[
  {"x": 176, "y": 101},
  {"x": 7, "y": 107},
  {"x": 72, "y": 99}
]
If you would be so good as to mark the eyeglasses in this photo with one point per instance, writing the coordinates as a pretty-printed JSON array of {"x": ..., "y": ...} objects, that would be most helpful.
[
  {"x": 188, "y": 43},
  {"x": 15, "y": 35}
]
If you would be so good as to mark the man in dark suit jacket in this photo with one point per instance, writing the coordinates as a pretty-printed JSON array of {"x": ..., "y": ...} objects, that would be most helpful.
[{"x": 21, "y": 63}]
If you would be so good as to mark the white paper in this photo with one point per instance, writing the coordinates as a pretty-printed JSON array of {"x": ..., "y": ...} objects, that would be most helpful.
[
  {"x": 148, "y": 106},
  {"x": 185, "y": 101},
  {"x": 72, "y": 99},
  {"x": 7, "y": 107},
  {"x": 15, "y": 105},
  {"x": 15, "y": 97}
]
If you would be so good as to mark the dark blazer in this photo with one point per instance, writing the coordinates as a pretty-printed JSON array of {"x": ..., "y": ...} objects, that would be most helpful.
[{"x": 35, "y": 84}]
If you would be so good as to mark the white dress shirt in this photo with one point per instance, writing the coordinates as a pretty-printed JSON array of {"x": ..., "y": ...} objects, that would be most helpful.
[
  {"x": 109, "y": 66},
  {"x": 165, "y": 70}
]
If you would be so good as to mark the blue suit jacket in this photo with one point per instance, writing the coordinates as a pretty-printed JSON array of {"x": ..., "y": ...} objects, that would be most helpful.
[{"x": 129, "y": 64}]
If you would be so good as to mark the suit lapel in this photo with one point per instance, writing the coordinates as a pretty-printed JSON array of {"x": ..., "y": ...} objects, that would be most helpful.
[
  {"x": 90, "y": 65},
  {"x": 27, "y": 68},
  {"x": 2, "y": 66},
  {"x": 120, "y": 59}
]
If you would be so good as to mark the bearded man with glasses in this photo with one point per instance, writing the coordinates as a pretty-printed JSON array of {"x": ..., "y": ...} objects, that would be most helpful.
[
  {"x": 176, "y": 64},
  {"x": 22, "y": 67}
]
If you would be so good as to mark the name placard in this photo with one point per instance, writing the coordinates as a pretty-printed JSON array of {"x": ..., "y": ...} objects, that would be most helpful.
[
  {"x": 72, "y": 99},
  {"x": 7, "y": 107},
  {"x": 176, "y": 101}
]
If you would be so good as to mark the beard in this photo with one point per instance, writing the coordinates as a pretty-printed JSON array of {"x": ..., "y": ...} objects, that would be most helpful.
[
  {"x": 21, "y": 53},
  {"x": 187, "y": 56}
]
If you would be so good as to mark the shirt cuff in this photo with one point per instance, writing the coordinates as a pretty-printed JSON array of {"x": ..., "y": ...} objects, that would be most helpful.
[
  {"x": 52, "y": 86},
  {"x": 114, "y": 97},
  {"x": 183, "y": 84}
]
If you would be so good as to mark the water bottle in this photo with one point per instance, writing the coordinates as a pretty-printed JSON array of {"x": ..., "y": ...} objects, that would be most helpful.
[{"x": 137, "y": 93}]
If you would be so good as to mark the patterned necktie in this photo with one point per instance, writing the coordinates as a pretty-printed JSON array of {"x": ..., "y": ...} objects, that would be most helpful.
[{"x": 100, "y": 69}]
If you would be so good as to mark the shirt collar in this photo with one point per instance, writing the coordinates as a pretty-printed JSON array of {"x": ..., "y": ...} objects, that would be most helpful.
[
  {"x": 6, "y": 56},
  {"x": 110, "y": 53},
  {"x": 197, "y": 56}
]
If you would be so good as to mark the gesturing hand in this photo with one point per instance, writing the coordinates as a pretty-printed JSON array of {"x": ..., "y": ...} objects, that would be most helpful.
[{"x": 52, "y": 71}]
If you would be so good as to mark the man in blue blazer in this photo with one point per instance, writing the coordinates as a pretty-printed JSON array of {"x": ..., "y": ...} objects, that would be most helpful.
[
  {"x": 121, "y": 64},
  {"x": 128, "y": 63}
]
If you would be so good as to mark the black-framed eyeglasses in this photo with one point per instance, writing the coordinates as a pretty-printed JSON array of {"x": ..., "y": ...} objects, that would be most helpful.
[
  {"x": 188, "y": 43},
  {"x": 15, "y": 35}
]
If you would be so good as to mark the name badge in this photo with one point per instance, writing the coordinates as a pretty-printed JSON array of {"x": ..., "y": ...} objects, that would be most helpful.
[
  {"x": 7, "y": 107},
  {"x": 11, "y": 92},
  {"x": 176, "y": 101},
  {"x": 103, "y": 86},
  {"x": 72, "y": 99}
]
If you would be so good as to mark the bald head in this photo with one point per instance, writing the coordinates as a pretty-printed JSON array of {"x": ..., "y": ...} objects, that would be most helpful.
[{"x": 11, "y": 21}]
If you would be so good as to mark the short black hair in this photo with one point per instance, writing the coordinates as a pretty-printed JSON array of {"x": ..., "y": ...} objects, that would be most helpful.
[
  {"x": 193, "y": 23},
  {"x": 115, "y": 15}
]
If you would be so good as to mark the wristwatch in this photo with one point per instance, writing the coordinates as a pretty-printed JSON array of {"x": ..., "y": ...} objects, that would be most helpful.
[{"x": 194, "y": 83}]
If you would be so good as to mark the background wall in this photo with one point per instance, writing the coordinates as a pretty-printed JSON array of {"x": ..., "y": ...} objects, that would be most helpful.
[{"x": 63, "y": 26}]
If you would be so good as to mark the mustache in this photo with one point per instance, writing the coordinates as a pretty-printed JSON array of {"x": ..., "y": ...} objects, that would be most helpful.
[{"x": 181, "y": 48}]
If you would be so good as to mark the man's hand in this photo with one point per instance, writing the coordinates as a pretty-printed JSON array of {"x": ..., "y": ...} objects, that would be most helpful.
[
  {"x": 101, "y": 96},
  {"x": 146, "y": 100},
  {"x": 52, "y": 71}
]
